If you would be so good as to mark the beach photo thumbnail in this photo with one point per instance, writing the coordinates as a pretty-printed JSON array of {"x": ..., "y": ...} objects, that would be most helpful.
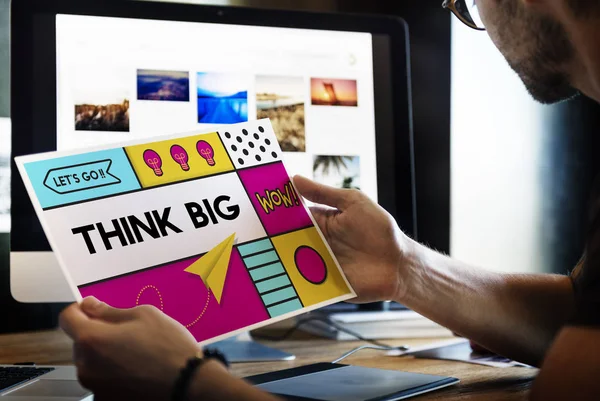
[
  {"x": 281, "y": 99},
  {"x": 222, "y": 98},
  {"x": 163, "y": 85},
  {"x": 333, "y": 92},
  {"x": 337, "y": 171}
]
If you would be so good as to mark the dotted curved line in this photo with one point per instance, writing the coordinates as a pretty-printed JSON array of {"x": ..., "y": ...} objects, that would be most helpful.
[
  {"x": 137, "y": 301},
  {"x": 203, "y": 310}
]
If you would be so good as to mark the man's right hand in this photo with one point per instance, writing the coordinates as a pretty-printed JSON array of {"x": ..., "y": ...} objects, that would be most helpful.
[{"x": 365, "y": 238}]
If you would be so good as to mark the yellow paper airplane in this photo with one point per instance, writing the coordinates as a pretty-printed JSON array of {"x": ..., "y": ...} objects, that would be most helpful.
[{"x": 212, "y": 267}]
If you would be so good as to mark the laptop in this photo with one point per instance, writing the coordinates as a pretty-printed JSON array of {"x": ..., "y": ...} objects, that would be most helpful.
[{"x": 41, "y": 383}]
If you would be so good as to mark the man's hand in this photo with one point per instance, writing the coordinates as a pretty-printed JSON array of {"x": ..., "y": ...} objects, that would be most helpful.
[
  {"x": 137, "y": 354},
  {"x": 365, "y": 239},
  {"x": 126, "y": 353}
]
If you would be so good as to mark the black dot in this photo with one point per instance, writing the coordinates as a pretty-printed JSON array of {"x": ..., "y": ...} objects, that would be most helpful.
[
  {"x": 261, "y": 129},
  {"x": 227, "y": 135},
  {"x": 262, "y": 149},
  {"x": 258, "y": 158},
  {"x": 245, "y": 132},
  {"x": 241, "y": 161},
  {"x": 234, "y": 148},
  {"x": 256, "y": 136},
  {"x": 245, "y": 152},
  {"x": 267, "y": 141},
  {"x": 274, "y": 154},
  {"x": 251, "y": 144},
  {"x": 239, "y": 139}
]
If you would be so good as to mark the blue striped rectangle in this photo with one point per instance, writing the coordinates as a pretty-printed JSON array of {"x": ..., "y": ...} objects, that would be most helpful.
[
  {"x": 285, "y": 307},
  {"x": 273, "y": 283},
  {"x": 267, "y": 271},
  {"x": 255, "y": 247},
  {"x": 279, "y": 295},
  {"x": 261, "y": 259}
]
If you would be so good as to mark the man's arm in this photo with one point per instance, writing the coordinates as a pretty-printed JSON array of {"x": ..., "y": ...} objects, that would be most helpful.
[
  {"x": 515, "y": 315},
  {"x": 571, "y": 370}
]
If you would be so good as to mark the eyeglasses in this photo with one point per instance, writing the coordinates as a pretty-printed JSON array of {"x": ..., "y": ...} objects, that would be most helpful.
[{"x": 466, "y": 11}]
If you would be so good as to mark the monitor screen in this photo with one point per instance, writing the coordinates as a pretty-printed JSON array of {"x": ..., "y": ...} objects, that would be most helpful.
[
  {"x": 335, "y": 87},
  {"x": 119, "y": 79}
]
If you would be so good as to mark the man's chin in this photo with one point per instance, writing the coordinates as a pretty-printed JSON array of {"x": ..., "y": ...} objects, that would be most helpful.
[
  {"x": 554, "y": 98},
  {"x": 553, "y": 90}
]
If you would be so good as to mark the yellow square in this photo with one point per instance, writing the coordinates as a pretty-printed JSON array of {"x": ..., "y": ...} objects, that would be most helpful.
[
  {"x": 302, "y": 253},
  {"x": 179, "y": 159}
]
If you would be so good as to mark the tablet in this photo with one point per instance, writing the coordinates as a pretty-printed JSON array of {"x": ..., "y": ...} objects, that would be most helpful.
[{"x": 337, "y": 382}]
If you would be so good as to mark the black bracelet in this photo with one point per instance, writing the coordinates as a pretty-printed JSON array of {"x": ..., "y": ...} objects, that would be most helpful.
[{"x": 183, "y": 380}]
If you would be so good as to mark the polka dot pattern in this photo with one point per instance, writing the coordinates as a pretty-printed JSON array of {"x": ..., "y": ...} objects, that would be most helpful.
[{"x": 253, "y": 143}]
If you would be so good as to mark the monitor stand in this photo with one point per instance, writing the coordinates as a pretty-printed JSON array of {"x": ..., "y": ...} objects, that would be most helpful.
[{"x": 243, "y": 349}]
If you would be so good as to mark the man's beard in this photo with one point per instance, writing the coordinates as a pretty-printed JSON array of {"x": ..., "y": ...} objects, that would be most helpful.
[
  {"x": 543, "y": 68},
  {"x": 544, "y": 85}
]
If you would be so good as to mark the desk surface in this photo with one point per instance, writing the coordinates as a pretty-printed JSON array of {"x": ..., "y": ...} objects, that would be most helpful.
[{"x": 477, "y": 382}]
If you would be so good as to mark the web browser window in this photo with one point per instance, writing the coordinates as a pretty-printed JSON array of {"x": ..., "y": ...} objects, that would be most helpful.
[{"x": 121, "y": 79}]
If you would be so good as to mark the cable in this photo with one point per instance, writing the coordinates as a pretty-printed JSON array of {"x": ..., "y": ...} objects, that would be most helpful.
[
  {"x": 336, "y": 326},
  {"x": 347, "y": 354}
]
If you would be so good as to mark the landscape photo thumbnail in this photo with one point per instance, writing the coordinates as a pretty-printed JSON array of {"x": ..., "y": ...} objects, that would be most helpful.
[
  {"x": 281, "y": 99},
  {"x": 102, "y": 117},
  {"x": 337, "y": 171},
  {"x": 163, "y": 85},
  {"x": 101, "y": 99},
  {"x": 222, "y": 98},
  {"x": 333, "y": 92}
]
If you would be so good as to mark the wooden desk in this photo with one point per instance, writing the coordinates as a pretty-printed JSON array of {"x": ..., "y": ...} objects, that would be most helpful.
[{"x": 477, "y": 382}]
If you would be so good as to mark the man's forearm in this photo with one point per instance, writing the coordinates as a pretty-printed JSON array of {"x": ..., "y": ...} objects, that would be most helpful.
[{"x": 515, "y": 315}]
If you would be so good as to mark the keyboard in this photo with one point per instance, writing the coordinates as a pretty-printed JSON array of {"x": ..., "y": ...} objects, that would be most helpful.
[{"x": 11, "y": 376}]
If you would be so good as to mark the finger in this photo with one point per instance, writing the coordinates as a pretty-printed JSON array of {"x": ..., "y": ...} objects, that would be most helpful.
[
  {"x": 323, "y": 194},
  {"x": 74, "y": 321},
  {"x": 322, "y": 215},
  {"x": 100, "y": 310}
]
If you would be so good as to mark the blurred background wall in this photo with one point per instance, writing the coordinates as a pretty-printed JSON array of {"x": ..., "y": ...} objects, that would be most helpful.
[{"x": 521, "y": 172}]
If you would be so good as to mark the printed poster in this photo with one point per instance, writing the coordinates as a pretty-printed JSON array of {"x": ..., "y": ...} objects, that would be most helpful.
[{"x": 206, "y": 227}]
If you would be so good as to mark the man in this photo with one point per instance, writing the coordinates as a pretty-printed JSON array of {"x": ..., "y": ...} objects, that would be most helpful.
[{"x": 545, "y": 320}]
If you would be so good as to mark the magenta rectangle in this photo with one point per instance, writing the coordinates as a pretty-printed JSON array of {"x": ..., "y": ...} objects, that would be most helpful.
[
  {"x": 184, "y": 297},
  {"x": 274, "y": 198}
]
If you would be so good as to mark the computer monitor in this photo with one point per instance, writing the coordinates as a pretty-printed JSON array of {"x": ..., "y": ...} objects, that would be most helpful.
[{"x": 336, "y": 88}]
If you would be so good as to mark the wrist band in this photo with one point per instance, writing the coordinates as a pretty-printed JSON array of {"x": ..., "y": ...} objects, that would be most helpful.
[{"x": 183, "y": 380}]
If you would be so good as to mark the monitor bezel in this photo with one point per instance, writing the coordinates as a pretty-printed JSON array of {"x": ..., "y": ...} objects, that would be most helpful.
[{"x": 392, "y": 183}]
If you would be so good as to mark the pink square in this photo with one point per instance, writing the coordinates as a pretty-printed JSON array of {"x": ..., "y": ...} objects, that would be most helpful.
[{"x": 274, "y": 198}]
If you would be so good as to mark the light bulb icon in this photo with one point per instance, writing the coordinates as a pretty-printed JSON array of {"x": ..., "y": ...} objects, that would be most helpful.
[
  {"x": 206, "y": 152},
  {"x": 153, "y": 160},
  {"x": 180, "y": 156}
]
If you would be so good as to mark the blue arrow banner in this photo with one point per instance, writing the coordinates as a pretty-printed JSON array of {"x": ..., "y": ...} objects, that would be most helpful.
[
  {"x": 77, "y": 178},
  {"x": 80, "y": 177}
]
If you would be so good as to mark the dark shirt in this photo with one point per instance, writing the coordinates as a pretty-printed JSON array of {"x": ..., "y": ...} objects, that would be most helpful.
[{"x": 586, "y": 275}]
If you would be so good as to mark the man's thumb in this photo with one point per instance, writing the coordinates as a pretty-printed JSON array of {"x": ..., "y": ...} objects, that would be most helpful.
[
  {"x": 323, "y": 194},
  {"x": 99, "y": 310}
]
